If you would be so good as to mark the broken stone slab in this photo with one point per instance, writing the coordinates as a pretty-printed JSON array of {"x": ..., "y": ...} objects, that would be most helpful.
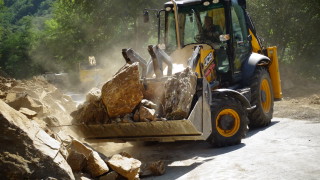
[
  {"x": 26, "y": 102},
  {"x": 126, "y": 167},
  {"x": 179, "y": 91},
  {"x": 29, "y": 113},
  {"x": 51, "y": 121},
  {"x": 156, "y": 168},
  {"x": 123, "y": 92},
  {"x": 95, "y": 165},
  {"x": 147, "y": 114},
  {"x": 82, "y": 176},
  {"x": 76, "y": 160},
  {"x": 91, "y": 113},
  {"x": 79, "y": 147},
  {"x": 27, "y": 151},
  {"x": 110, "y": 176}
]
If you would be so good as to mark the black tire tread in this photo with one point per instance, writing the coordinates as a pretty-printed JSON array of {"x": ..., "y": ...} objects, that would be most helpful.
[
  {"x": 218, "y": 104},
  {"x": 257, "y": 116}
]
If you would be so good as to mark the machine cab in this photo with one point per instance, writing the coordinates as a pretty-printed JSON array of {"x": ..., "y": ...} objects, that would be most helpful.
[{"x": 219, "y": 27}]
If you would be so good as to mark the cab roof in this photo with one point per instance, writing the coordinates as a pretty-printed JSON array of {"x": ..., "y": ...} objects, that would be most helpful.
[{"x": 185, "y": 2}]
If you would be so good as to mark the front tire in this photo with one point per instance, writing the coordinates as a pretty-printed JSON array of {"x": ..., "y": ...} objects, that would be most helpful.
[
  {"x": 229, "y": 122},
  {"x": 262, "y": 97}
]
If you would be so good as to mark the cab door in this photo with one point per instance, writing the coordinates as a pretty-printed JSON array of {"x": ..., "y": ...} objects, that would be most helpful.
[{"x": 241, "y": 44}]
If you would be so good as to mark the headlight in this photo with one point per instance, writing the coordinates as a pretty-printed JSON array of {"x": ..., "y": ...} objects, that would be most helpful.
[{"x": 206, "y": 3}]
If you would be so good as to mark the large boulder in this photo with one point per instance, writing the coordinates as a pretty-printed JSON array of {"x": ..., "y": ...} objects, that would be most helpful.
[
  {"x": 26, "y": 151},
  {"x": 126, "y": 167},
  {"x": 123, "y": 92},
  {"x": 179, "y": 91}
]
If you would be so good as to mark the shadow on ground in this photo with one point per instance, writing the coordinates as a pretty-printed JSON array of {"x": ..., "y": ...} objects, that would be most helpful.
[{"x": 180, "y": 157}]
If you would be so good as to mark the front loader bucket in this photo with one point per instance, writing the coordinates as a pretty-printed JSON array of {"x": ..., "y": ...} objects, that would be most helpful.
[
  {"x": 196, "y": 127},
  {"x": 140, "y": 129}
]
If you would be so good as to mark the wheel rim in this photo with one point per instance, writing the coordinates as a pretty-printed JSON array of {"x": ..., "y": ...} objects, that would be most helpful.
[
  {"x": 235, "y": 126},
  {"x": 265, "y": 95}
]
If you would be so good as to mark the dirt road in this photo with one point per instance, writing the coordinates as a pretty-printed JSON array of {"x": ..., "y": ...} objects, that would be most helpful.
[{"x": 287, "y": 149}]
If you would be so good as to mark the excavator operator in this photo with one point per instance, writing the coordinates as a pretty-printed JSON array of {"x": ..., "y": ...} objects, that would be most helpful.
[{"x": 211, "y": 32}]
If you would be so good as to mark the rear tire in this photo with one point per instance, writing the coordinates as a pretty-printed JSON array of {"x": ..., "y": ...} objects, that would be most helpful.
[
  {"x": 262, "y": 97},
  {"x": 229, "y": 122}
]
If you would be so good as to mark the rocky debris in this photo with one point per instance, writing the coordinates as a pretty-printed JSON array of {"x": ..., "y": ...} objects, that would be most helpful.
[
  {"x": 83, "y": 158},
  {"x": 33, "y": 154},
  {"x": 25, "y": 102},
  {"x": 136, "y": 116},
  {"x": 179, "y": 91},
  {"x": 123, "y": 100},
  {"x": 51, "y": 121},
  {"x": 156, "y": 168},
  {"x": 76, "y": 160},
  {"x": 315, "y": 99},
  {"x": 95, "y": 165},
  {"x": 146, "y": 114},
  {"x": 125, "y": 154},
  {"x": 2, "y": 94},
  {"x": 110, "y": 176},
  {"x": 79, "y": 147},
  {"x": 29, "y": 113},
  {"x": 92, "y": 111},
  {"x": 39, "y": 96},
  {"x": 82, "y": 176},
  {"x": 126, "y": 167},
  {"x": 93, "y": 95},
  {"x": 148, "y": 104},
  {"x": 7, "y": 83},
  {"x": 154, "y": 91},
  {"x": 123, "y": 92}
]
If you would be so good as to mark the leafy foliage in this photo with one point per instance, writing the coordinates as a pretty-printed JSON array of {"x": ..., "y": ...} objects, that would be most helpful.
[
  {"x": 293, "y": 26},
  {"x": 54, "y": 35}
]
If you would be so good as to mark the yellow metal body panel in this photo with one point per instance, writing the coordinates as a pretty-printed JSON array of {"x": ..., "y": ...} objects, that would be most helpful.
[
  {"x": 255, "y": 44},
  {"x": 90, "y": 75},
  {"x": 207, "y": 60},
  {"x": 274, "y": 72}
]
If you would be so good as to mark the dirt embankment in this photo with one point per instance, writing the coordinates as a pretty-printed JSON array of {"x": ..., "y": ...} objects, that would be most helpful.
[{"x": 301, "y": 98}]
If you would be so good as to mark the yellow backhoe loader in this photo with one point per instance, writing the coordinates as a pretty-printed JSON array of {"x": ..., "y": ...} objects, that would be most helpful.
[{"x": 238, "y": 79}]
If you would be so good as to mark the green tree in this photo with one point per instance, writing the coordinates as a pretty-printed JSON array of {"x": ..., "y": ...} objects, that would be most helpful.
[
  {"x": 82, "y": 28},
  {"x": 293, "y": 26}
]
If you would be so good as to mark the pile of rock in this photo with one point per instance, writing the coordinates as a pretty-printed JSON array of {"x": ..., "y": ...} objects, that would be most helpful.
[
  {"x": 29, "y": 152},
  {"x": 125, "y": 99},
  {"x": 86, "y": 162},
  {"x": 38, "y": 100}
]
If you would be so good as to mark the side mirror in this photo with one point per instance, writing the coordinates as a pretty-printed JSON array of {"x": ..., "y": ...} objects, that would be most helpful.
[
  {"x": 249, "y": 37},
  {"x": 145, "y": 16},
  {"x": 224, "y": 37}
]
